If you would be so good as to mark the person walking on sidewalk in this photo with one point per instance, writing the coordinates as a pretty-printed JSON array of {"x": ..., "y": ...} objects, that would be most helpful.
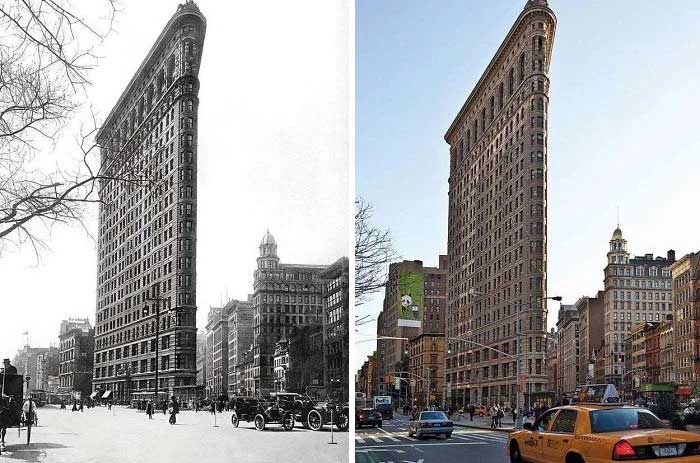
[
  {"x": 165, "y": 407},
  {"x": 174, "y": 410},
  {"x": 493, "y": 411},
  {"x": 471, "y": 412},
  {"x": 149, "y": 410},
  {"x": 499, "y": 415}
]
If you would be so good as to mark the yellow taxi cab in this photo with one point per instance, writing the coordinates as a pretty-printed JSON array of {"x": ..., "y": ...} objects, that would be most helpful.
[{"x": 599, "y": 428}]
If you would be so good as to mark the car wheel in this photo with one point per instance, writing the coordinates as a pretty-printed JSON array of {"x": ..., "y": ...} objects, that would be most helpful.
[
  {"x": 515, "y": 456},
  {"x": 234, "y": 420},
  {"x": 259, "y": 422},
  {"x": 288, "y": 422},
  {"x": 448, "y": 435},
  {"x": 315, "y": 420},
  {"x": 343, "y": 422},
  {"x": 379, "y": 424}
]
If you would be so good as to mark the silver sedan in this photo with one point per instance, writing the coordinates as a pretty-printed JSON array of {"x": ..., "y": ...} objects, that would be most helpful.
[{"x": 430, "y": 423}]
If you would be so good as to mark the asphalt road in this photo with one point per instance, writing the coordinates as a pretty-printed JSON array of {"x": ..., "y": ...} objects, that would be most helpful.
[
  {"x": 391, "y": 444},
  {"x": 123, "y": 435}
]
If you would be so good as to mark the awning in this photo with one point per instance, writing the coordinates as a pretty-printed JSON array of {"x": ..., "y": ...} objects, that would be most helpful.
[
  {"x": 107, "y": 395},
  {"x": 94, "y": 394},
  {"x": 683, "y": 390}
]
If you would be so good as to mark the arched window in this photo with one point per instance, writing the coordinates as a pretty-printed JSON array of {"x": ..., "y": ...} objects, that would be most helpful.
[{"x": 511, "y": 82}]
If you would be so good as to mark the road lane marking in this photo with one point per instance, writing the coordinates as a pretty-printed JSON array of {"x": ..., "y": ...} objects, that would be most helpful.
[
  {"x": 375, "y": 439},
  {"x": 371, "y": 447},
  {"x": 389, "y": 435},
  {"x": 359, "y": 439}
]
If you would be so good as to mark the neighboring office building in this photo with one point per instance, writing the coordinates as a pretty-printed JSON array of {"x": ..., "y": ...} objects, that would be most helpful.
[
  {"x": 427, "y": 367},
  {"x": 552, "y": 363},
  {"x": 245, "y": 372},
  {"x": 590, "y": 321},
  {"x": 281, "y": 362},
  {"x": 217, "y": 352},
  {"x": 26, "y": 363},
  {"x": 285, "y": 296},
  {"x": 147, "y": 233},
  {"x": 240, "y": 338},
  {"x": 77, "y": 349},
  {"x": 667, "y": 366},
  {"x": 336, "y": 325},
  {"x": 637, "y": 290},
  {"x": 686, "y": 310},
  {"x": 305, "y": 359},
  {"x": 568, "y": 350},
  {"x": 497, "y": 229},
  {"x": 47, "y": 367},
  {"x": 414, "y": 303},
  {"x": 201, "y": 358}
]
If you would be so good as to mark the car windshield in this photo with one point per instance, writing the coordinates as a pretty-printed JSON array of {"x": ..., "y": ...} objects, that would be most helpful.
[
  {"x": 433, "y": 416},
  {"x": 623, "y": 419}
]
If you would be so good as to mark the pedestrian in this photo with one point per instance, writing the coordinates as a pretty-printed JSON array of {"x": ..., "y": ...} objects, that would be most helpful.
[
  {"x": 493, "y": 411},
  {"x": 174, "y": 410},
  {"x": 471, "y": 412},
  {"x": 196, "y": 406},
  {"x": 164, "y": 406},
  {"x": 213, "y": 407},
  {"x": 75, "y": 407},
  {"x": 109, "y": 405},
  {"x": 515, "y": 413},
  {"x": 149, "y": 410},
  {"x": 81, "y": 406},
  {"x": 499, "y": 415}
]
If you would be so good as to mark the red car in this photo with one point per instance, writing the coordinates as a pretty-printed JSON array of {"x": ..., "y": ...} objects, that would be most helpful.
[{"x": 368, "y": 416}]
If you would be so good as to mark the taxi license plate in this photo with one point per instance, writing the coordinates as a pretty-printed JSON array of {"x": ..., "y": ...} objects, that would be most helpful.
[{"x": 666, "y": 451}]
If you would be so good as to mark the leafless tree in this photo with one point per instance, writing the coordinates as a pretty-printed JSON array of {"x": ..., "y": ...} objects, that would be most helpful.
[
  {"x": 47, "y": 49},
  {"x": 373, "y": 253}
]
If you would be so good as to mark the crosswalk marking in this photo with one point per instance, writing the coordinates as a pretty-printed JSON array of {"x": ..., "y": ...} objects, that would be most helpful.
[
  {"x": 400, "y": 437},
  {"x": 360, "y": 440},
  {"x": 375, "y": 439}
]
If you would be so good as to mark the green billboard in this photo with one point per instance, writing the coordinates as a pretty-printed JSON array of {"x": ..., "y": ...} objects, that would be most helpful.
[{"x": 410, "y": 298}]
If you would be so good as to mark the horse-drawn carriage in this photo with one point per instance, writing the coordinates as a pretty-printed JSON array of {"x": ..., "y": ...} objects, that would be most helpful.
[
  {"x": 261, "y": 413},
  {"x": 14, "y": 411}
]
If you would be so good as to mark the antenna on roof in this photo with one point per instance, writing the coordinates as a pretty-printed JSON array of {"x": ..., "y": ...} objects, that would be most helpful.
[{"x": 618, "y": 216}]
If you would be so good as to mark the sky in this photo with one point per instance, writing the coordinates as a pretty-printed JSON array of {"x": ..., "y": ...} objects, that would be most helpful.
[
  {"x": 622, "y": 127},
  {"x": 273, "y": 154}
]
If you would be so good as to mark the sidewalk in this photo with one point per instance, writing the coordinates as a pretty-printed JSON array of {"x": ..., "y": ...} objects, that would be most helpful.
[{"x": 482, "y": 422}]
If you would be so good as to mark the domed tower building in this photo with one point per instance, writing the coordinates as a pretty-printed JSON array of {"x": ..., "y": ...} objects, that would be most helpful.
[
  {"x": 637, "y": 290},
  {"x": 286, "y": 297}
]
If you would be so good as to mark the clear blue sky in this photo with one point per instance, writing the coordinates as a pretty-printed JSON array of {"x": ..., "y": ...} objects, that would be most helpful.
[{"x": 623, "y": 125}]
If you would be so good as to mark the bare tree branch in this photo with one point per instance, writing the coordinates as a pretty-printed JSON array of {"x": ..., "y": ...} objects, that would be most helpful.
[
  {"x": 373, "y": 253},
  {"x": 46, "y": 53}
]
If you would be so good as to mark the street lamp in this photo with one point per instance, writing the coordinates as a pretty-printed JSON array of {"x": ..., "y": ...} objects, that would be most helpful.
[
  {"x": 519, "y": 417},
  {"x": 157, "y": 300}
]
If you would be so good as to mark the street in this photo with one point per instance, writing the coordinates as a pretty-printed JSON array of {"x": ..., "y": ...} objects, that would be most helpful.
[
  {"x": 125, "y": 435},
  {"x": 392, "y": 444}
]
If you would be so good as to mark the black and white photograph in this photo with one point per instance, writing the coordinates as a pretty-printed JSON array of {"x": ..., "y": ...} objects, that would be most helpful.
[{"x": 175, "y": 208}]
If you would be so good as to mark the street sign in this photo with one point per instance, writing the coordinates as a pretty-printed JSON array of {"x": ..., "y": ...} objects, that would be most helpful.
[{"x": 397, "y": 383}]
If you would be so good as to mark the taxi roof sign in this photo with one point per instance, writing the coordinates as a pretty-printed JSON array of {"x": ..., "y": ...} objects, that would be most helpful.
[{"x": 597, "y": 394}]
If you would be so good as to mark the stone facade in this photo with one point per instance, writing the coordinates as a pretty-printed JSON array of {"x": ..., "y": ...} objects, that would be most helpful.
[
  {"x": 568, "y": 350},
  {"x": 590, "y": 316},
  {"x": 427, "y": 367},
  {"x": 391, "y": 353},
  {"x": 497, "y": 228},
  {"x": 686, "y": 309},
  {"x": 77, "y": 348},
  {"x": 240, "y": 338},
  {"x": 216, "y": 380},
  {"x": 636, "y": 290},
  {"x": 285, "y": 296},
  {"x": 147, "y": 221},
  {"x": 336, "y": 324}
]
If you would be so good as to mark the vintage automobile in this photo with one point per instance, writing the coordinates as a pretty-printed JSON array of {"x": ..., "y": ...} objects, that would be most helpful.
[
  {"x": 430, "y": 423},
  {"x": 600, "y": 428},
  {"x": 261, "y": 413},
  {"x": 327, "y": 409}
]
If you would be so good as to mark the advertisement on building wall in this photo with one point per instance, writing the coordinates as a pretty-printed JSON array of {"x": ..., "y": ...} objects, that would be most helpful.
[{"x": 410, "y": 299}]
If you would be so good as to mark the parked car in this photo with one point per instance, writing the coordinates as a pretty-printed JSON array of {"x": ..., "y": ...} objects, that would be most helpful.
[
  {"x": 327, "y": 409},
  {"x": 368, "y": 416},
  {"x": 430, "y": 423}
]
